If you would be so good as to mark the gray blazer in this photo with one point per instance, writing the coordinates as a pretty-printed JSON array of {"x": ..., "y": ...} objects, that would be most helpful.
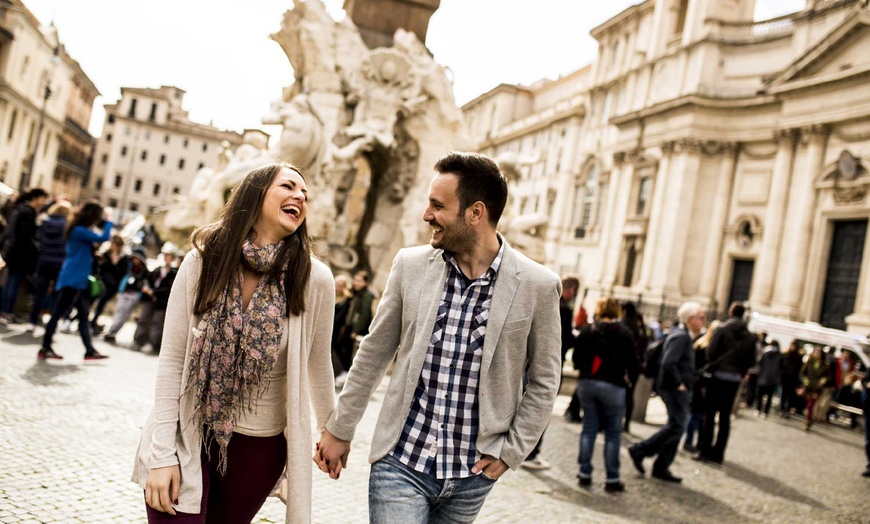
[{"x": 523, "y": 329}]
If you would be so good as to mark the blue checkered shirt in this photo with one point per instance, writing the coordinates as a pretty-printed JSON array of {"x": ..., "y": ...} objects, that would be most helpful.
[{"x": 440, "y": 432}]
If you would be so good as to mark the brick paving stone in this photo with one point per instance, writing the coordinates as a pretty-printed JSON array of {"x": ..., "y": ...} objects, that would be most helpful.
[{"x": 68, "y": 431}]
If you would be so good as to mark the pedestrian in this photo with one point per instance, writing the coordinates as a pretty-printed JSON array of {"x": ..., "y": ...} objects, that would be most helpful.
[
  {"x": 814, "y": 375},
  {"x": 149, "y": 327},
  {"x": 462, "y": 320},
  {"x": 696, "y": 409},
  {"x": 792, "y": 362},
  {"x": 769, "y": 376},
  {"x": 752, "y": 377},
  {"x": 73, "y": 284},
  {"x": 357, "y": 320},
  {"x": 342, "y": 304},
  {"x": 19, "y": 248},
  {"x": 633, "y": 321},
  {"x": 112, "y": 266},
  {"x": 674, "y": 384},
  {"x": 52, "y": 251},
  {"x": 133, "y": 284},
  {"x": 865, "y": 404},
  {"x": 730, "y": 355},
  {"x": 245, "y": 358},
  {"x": 606, "y": 358},
  {"x": 572, "y": 413}
]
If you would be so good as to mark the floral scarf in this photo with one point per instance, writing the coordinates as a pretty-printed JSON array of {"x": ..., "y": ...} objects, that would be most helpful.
[{"x": 234, "y": 350}]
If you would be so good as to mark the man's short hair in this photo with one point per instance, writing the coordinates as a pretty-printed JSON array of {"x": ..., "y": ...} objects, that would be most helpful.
[
  {"x": 480, "y": 180},
  {"x": 570, "y": 283},
  {"x": 737, "y": 309},
  {"x": 364, "y": 275},
  {"x": 687, "y": 311}
]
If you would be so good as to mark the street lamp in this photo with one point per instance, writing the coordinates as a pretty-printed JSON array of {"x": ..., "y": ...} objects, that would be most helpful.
[{"x": 25, "y": 180}]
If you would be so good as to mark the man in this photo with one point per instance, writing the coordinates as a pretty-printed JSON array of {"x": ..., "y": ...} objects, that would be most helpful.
[
  {"x": 730, "y": 355},
  {"x": 464, "y": 318},
  {"x": 19, "y": 248},
  {"x": 357, "y": 321},
  {"x": 155, "y": 299},
  {"x": 674, "y": 384}
]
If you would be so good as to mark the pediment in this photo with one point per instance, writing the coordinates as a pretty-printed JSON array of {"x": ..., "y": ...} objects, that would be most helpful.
[{"x": 843, "y": 50}]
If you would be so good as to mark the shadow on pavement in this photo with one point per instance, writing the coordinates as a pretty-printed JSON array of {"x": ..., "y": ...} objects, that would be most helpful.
[
  {"x": 676, "y": 503},
  {"x": 769, "y": 485},
  {"x": 43, "y": 373},
  {"x": 22, "y": 339}
]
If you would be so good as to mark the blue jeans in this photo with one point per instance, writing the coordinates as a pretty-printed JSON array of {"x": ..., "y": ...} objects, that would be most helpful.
[
  {"x": 665, "y": 441},
  {"x": 399, "y": 494},
  {"x": 694, "y": 427},
  {"x": 603, "y": 404},
  {"x": 68, "y": 298}
]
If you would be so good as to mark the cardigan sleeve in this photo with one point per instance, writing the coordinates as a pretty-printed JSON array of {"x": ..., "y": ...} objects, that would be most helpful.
[
  {"x": 170, "y": 366},
  {"x": 321, "y": 382}
]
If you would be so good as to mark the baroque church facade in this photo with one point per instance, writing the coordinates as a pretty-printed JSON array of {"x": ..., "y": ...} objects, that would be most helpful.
[{"x": 703, "y": 155}]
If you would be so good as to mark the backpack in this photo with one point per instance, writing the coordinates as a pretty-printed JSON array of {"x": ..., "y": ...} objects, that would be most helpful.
[{"x": 653, "y": 358}]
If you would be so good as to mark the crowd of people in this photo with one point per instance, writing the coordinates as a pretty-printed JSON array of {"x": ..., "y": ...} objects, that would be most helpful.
[{"x": 73, "y": 266}]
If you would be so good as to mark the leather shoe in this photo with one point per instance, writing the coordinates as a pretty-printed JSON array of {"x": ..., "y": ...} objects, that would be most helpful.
[
  {"x": 666, "y": 475},
  {"x": 866, "y": 473},
  {"x": 614, "y": 487},
  {"x": 637, "y": 459},
  {"x": 701, "y": 457},
  {"x": 585, "y": 482}
]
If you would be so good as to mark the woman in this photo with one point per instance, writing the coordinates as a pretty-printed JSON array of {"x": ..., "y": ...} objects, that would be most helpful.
[
  {"x": 697, "y": 405},
  {"x": 814, "y": 375},
  {"x": 113, "y": 266},
  {"x": 72, "y": 283},
  {"x": 52, "y": 251},
  {"x": 604, "y": 355},
  {"x": 246, "y": 341},
  {"x": 633, "y": 321}
]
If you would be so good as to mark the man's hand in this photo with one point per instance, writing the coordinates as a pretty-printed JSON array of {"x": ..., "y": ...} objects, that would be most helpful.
[
  {"x": 162, "y": 487},
  {"x": 331, "y": 454},
  {"x": 491, "y": 467},
  {"x": 682, "y": 387}
]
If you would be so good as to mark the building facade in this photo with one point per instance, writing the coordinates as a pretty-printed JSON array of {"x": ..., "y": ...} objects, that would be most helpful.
[
  {"x": 45, "y": 103},
  {"x": 150, "y": 150},
  {"x": 717, "y": 158}
]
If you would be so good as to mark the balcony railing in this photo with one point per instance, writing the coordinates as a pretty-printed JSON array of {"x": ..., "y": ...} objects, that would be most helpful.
[{"x": 748, "y": 32}]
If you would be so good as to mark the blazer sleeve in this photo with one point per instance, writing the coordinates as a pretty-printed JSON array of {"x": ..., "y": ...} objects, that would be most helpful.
[
  {"x": 375, "y": 353},
  {"x": 544, "y": 374},
  {"x": 321, "y": 382},
  {"x": 170, "y": 364}
]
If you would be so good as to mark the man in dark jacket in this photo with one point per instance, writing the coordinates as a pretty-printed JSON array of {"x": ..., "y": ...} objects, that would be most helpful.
[
  {"x": 730, "y": 355},
  {"x": 155, "y": 298},
  {"x": 19, "y": 247},
  {"x": 674, "y": 384}
]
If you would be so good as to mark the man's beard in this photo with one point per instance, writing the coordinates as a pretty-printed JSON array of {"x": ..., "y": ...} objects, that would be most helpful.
[{"x": 458, "y": 238}]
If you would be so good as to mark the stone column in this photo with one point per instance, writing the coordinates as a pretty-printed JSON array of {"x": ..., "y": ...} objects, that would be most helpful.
[
  {"x": 718, "y": 214},
  {"x": 655, "y": 216},
  {"x": 620, "y": 188},
  {"x": 565, "y": 179},
  {"x": 765, "y": 271},
  {"x": 791, "y": 271},
  {"x": 674, "y": 229}
]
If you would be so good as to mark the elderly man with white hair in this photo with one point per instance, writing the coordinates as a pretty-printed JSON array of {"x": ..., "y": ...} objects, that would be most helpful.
[{"x": 674, "y": 385}]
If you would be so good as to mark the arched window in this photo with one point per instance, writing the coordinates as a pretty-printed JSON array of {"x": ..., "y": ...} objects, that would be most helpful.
[
  {"x": 586, "y": 192},
  {"x": 591, "y": 191}
]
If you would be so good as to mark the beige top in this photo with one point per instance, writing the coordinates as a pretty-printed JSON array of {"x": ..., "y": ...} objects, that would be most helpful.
[
  {"x": 268, "y": 416},
  {"x": 171, "y": 436}
]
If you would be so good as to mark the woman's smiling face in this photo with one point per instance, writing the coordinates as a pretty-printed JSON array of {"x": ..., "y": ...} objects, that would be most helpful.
[{"x": 284, "y": 207}]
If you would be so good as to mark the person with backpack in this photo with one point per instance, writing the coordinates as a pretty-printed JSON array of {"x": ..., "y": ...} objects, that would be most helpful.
[
  {"x": 676, "y": 376},
  {"x": 20, "y": 248},
  {"x": 730, "y": 355}
]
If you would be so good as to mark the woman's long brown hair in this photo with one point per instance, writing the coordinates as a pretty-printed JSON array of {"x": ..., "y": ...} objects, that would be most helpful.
[{"x": 220, "y": 245}]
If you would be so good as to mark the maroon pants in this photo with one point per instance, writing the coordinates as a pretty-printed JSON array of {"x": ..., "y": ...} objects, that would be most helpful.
[{"x": 254, "y": 465}]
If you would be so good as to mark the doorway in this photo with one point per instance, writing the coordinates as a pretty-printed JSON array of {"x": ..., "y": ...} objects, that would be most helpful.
[{"x": 844, "y": 270}]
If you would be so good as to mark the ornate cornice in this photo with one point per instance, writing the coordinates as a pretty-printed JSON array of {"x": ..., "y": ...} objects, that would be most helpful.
[
  {"x": 814, "y": 132},
  {"x": 844, "y": 196},
  {"x": 704, "y": 147}
]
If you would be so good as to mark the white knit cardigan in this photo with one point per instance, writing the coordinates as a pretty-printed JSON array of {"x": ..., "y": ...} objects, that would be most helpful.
[{"x": 171, "y": 437}]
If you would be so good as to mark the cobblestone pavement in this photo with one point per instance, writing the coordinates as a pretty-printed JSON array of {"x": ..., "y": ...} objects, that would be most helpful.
[{"x": 68, "y": 431}]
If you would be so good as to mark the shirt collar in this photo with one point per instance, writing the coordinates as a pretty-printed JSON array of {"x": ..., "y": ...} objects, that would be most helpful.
[{"x": 492, "y": 272}]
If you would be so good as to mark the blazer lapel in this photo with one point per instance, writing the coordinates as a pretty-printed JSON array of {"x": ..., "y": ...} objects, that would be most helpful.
[
  {"x": 430, "y": 298},
  {"x": 502, "y": 296}
]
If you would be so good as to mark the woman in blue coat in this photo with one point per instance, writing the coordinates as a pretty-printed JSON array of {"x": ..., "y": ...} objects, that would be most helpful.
[{"x": 72, "y": 283}]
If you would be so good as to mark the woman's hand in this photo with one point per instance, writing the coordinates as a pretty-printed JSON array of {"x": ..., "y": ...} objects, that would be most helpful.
[{"x": 162, "y": 487}]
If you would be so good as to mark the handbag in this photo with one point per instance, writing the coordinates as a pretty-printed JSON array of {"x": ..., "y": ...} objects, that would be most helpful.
[{"x": 96, "y": 286}]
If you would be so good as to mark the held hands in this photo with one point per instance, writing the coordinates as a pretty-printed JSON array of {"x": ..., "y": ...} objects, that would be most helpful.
[
  {"x": 490, "y": 467},
  {"x": 331, "y": 454},
  {"x": 162, "y": 487}
]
